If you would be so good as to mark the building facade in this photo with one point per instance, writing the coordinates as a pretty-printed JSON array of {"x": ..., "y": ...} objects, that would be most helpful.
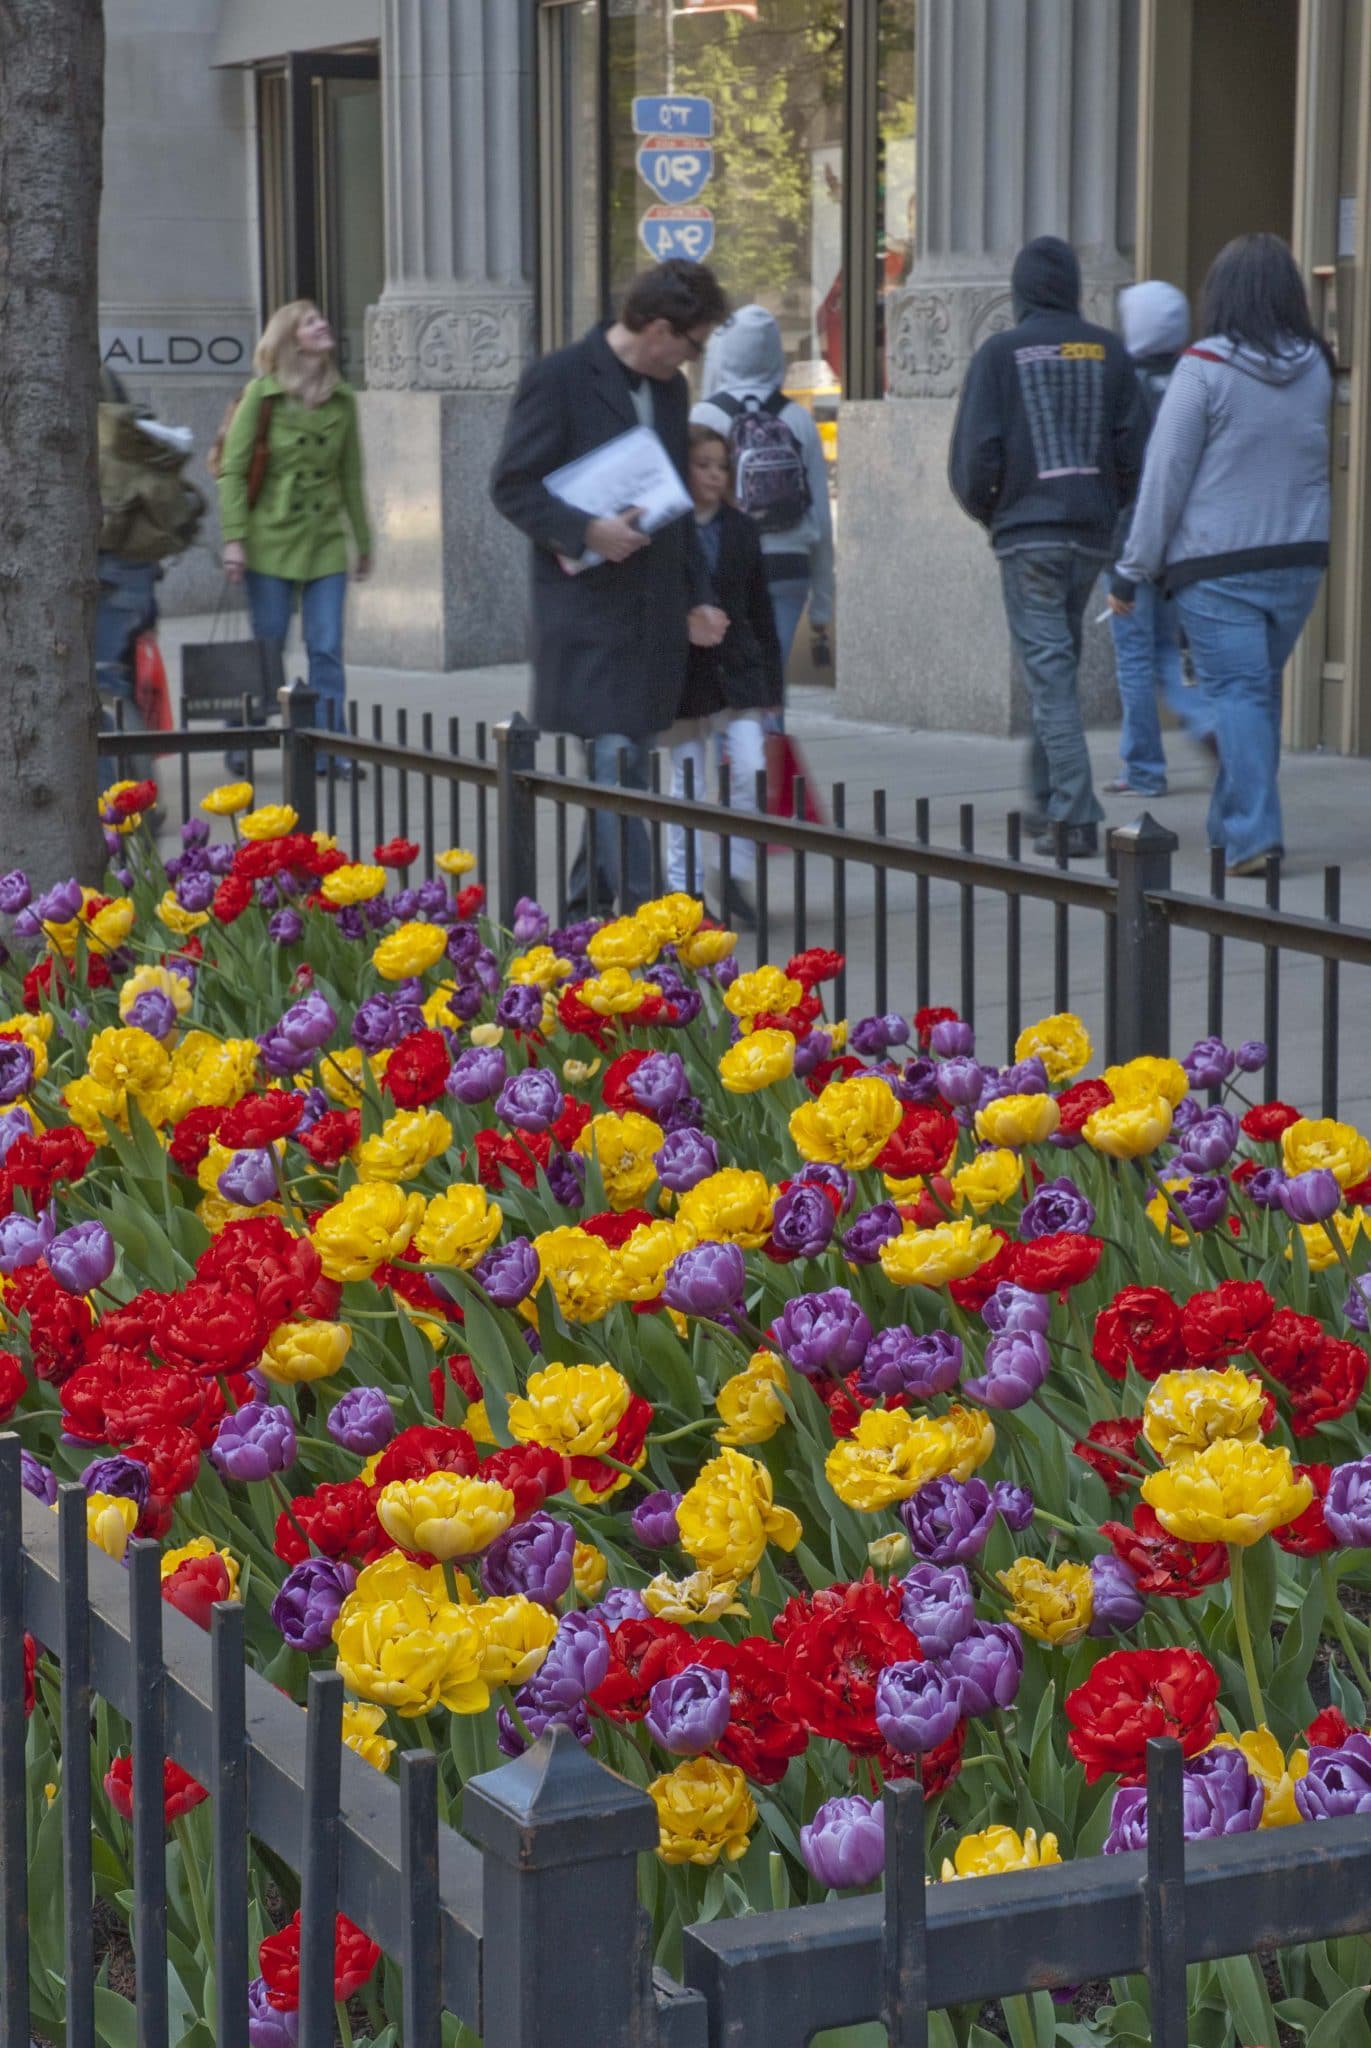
[{"x": 461, "y": 182}]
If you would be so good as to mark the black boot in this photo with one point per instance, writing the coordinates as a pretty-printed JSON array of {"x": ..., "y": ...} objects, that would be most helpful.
[{"x": 1082, "y": 842}]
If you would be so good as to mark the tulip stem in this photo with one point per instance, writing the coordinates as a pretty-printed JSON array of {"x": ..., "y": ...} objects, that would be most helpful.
[
  {"x": 344, "y": 2023},
  {"x": 1173, "y": 1208},
  {"x": 1334, "y": 1237},
  {"x": 194, "y": 1886},
  {"x": 686, "y": 1429},
  {"x": 1244, "y": 1634},
  {"x": 1333, "y": 1601},
  {"x": 450, "y": 1581},
  {"x": 520, "y": 1725}
]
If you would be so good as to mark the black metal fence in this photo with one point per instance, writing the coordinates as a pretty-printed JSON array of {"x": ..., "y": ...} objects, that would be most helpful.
[
  {"x": 529, "y": 1933},
  {"x": 1011, "y": 936}
]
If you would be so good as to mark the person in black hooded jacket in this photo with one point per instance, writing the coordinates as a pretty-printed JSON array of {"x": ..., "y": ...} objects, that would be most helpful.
[{"x": 1047, "y": 449}]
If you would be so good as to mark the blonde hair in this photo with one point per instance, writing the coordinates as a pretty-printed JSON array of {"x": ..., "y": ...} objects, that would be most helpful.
[{"x": 276, "y": 355}]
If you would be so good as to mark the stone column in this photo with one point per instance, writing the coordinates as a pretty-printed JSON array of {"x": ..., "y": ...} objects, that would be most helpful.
[
  {"x": 450, "y": 334},
  {"x": 1026, "y": 119}
]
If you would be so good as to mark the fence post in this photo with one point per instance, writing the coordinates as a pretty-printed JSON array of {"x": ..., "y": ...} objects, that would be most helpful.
[
  {"x": 516, "y": 821},
  {"x": 562, "y": 1944},
  {"x": 1142, "y": 988},
  {"x": 299, "y": 708}
]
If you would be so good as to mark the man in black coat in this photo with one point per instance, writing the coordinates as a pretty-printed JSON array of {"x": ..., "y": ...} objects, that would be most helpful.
[
  {"x": 1047, "y": 448},
  {"x": 610, "y": 644}
]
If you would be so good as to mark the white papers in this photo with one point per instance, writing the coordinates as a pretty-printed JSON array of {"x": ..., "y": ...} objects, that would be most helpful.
[
  {"x": 179, "y": 439},
  {"x": 633, "y": 469}
]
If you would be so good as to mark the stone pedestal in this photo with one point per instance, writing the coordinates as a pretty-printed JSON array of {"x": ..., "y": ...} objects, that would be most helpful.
[
  {"x": 1026, "y": 127},
  {"x": 449, "y": 336}
]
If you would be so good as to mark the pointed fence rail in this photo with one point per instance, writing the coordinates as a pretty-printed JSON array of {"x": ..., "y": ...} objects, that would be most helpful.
[
  {"x": 530, "y": 1932},
  {"x": 1008, "y": 937}
]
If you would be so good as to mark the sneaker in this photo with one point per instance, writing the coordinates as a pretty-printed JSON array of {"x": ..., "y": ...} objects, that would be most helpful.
[
  {"x": 1082, "y": 842},
  {"x": 1255, "y": 864},
  {"x": 1121, "y": 786}
]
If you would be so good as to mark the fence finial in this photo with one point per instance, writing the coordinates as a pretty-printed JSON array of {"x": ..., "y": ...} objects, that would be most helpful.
[{"x": 559, "y": 1953}]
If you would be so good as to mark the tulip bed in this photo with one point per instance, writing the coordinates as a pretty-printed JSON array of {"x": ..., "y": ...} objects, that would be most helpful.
[{"x": 566, "y": 1326}]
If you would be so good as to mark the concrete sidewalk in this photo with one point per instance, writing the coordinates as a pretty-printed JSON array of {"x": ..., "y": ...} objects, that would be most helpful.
[{"x": 1325, "y": 799}]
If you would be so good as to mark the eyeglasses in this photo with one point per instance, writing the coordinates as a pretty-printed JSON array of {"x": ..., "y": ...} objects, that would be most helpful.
[{"x": 692, "y": 342}]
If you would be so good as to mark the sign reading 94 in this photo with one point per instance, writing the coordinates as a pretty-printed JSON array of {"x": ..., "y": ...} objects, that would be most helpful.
[{"x": 668, "y": 231}]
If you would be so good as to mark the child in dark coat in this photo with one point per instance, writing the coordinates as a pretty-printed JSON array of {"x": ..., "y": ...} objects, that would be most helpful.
[{"x": 730, "y": 687}]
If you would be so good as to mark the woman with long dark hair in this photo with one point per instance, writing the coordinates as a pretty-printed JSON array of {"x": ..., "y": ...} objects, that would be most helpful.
[{"x": 1232, "y": 519}]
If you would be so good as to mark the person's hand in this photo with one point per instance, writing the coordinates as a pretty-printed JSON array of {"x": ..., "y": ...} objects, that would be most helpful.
[
  {"x": 707, "y": 625},
  {"x": 235, "y": 560},
  {"x": 1120, "y": 607},
  {"x": 820, "y": 647},
  {"x": 361, "y": 569},
  {"x": 617, "y": 538}
]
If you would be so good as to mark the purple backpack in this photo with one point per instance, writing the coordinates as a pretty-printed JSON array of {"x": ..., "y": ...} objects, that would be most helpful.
[{"x": 770, "y": 483}]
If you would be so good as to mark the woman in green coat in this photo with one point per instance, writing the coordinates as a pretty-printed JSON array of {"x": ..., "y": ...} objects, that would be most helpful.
[{"x": 292, "y": 540}]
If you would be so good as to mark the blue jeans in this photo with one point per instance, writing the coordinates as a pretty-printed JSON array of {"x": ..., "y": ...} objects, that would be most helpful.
[
  {"x": 1147, "y": 658},
  {"x": 271, "y": 601},
  {"x": 789, "y": 596},
  {"x": 1241, "y": 631},
  {"x": 1045, "y": 594},
  {"x": 584, "y": 896}
]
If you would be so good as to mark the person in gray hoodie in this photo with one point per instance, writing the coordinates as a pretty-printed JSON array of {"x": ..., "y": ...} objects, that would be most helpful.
[
  {"x": 744, "y": 370},
  {"x": 1233, "y": 518},
  {"x": 1154, "y": 319}
]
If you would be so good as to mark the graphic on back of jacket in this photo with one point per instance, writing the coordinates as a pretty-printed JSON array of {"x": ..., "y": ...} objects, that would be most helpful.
[{"x": 1062, "y": 388}]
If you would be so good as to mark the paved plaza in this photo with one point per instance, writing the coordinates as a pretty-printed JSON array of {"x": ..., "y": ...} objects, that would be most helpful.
[{"x": 1326, "y": 816}]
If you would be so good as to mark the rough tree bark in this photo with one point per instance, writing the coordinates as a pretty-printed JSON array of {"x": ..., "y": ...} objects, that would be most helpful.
[{"x": 52, "y": 61}]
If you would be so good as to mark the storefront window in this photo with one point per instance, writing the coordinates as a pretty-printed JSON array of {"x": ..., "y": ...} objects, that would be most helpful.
[
  {"x": 569, "y": 107},
  {"x": 896, "y": 159}
]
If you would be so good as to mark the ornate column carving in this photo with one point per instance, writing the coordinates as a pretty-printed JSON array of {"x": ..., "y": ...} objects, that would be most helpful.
[
  {"x": 457, "y": 310},
  {"x": 1025, "y": 128}
]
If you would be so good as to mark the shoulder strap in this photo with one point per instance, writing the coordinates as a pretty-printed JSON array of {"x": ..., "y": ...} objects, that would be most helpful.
[
  {"x": 1210, "y": 355},
  {"x": 776, "y": 404},
  {"x": 727, "y": 403}
]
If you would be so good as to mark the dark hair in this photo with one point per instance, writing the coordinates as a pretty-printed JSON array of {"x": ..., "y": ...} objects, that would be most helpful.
[
  {"x": 1254, "y": 294},
  {"x": 699, "y": 434},
  {"x": 683, "y": 294}
]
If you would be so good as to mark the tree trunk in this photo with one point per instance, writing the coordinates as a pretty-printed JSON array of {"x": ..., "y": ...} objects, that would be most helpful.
[{"x": 52, "y": 61}]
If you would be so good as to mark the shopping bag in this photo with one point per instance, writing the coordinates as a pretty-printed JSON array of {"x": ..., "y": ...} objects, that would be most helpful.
[
  {"x": 784, "y": 762},
  {"x": 150, "y": 692},
  {"x": 218, "y": 673}
]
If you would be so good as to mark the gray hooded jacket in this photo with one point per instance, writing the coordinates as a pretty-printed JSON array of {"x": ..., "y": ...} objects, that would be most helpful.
[
  {"x": 1236, "y": 476},
  {"x": 746, "y": 359}
]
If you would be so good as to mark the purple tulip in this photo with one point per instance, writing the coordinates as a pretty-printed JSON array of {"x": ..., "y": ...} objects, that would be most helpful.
[
  {"x": 530, "y": 922},
  {"x": 508, "y": 1272},
  {"x": 195, "y": 891},
  {"x": 987, "y": 1664},
  {"x": 253, "y": 1442},
  {"x": 917, "y": 1706},
  {"x": 520, "y": 1007},
  {"x": 811, "y": 1051},
  {"x": 566, "y": 1176},
  {"x": 1310, "y": 1197},
  {"x": 308, "y": 1024},
  {"x": 1057, "y": 1205},
  {"x": 16, "y": 1069},
  {"x": 1252, "y": 1055},
  {"x": 81, "y": 1257},
  {"x": 948, "y": 1520},
  {"x": 654, "y": 1519},
  {"x": 705, "y": 1280},
  {"x": 1355, "y": 1308},
  {"x": 844, "y": 1845},
  {"x": 685, "y": 1159},
  {"x": 28, "y": 925},
  {"x": 802, "y": 1223},
  {"x": 620, "y": 1603},
  {"x": 872, "y": 1036},
  {"x": 1208, "y": 1063},
  {"x": 658, "y": 1083},
  {"x": 576, "y": 1662},
  {"x": 1202, "y": 1201},
  {"x": 60, "y": 904},
  {"x": 861, "y": 1242},
  {"x": 15, "y": 1123},
  {"x": 125, "y": 1477},
  {"x": 37, "y": 1478},
  {"x": 532, "y": 1100},
  {"x": 362, "y": 1421},
  {"x": 476, "y": 1074},
  {"x": 951, "y": 1039},
  {"x": 1025, "y": 1077},
  {"x": 937, "y": 1603},
  {"x": 24, "y": 1239},
  {"x": 307, "y": 1605},
  {"x": 1264, "y": 1188},
  {"x": 919, "y": 1080},
  {"x": 1013, "y": 1504},
  {"x": 268, "y": 2028},
  {"x": 15, "y": 894},
  {"x": 533, "y": 1558},
  {"x": 1016, "y": 1364},
  {"x": 1116, "y": 1602},
  {"x": 1347, "y": 1504},
  {"x": 373, "y": 1024},
  {"x": 914, "y": 1363},
  {"x": 823, "y": 1333},
  {"x": 1338, "y": 1781},
  {"x": 961, "y": 1082},
  {"x": 249, "y": 1178},
  {"x": 688, "y": 1714},
  {"x": 1219, "y": 1796},
  {"x": 1209, "y": 1141},
  {"x": 152, "y": 1012}
]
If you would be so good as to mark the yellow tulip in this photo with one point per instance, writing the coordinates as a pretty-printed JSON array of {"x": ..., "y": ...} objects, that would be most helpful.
[{"x": 1228, "y": 1493}]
